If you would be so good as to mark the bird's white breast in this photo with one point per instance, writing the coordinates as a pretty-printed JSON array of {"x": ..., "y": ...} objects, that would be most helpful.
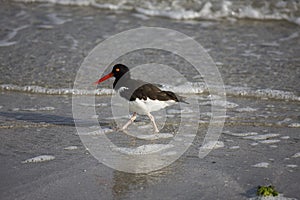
[{"x": 145, "y": 106}]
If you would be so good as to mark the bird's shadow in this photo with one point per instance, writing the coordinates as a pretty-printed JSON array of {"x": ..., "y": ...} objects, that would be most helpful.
[
  {"x": 58, "y": 120},
  {"x": 46, "y": 118}
]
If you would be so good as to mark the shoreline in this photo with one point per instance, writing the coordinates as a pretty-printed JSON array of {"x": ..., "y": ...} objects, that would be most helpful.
[{"x": 44, "y": 44}]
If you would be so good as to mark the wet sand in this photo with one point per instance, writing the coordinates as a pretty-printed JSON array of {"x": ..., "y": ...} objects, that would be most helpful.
[
  {"x": 48, "y": 53},
  {"x": 228, "y": 172}
]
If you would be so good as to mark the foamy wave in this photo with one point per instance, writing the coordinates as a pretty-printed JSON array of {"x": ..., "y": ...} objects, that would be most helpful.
[
  {"x": 187, "y": 10},
  {"x": 261, "y": 93},
  {"x": 227, "y": 9},
  {"x": 52, "y": 91},
  {"x": 41, "y": 158},
  {"x": 188, "y": 88}
]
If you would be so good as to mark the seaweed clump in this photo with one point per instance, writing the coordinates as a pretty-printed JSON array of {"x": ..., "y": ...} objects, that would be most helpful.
[{"x": 266, "y": 191}]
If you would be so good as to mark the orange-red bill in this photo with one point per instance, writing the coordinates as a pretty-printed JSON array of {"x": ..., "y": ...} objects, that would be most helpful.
[{"x": 104, "y": 78}]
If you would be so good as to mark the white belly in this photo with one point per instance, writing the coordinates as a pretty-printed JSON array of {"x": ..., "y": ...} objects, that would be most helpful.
[{"x": 145, "y": 106}]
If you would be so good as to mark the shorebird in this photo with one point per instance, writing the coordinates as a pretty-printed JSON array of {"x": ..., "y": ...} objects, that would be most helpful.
[{"x": 143, "y": 97}]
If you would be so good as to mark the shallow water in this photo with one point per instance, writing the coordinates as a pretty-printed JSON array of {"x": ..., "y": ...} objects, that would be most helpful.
[{"x": 249, "y": 54}]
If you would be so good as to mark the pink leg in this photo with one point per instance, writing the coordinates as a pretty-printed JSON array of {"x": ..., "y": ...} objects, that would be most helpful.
[
  {"x": 153, "y": 122},
  {"x": 130, "y": 121}
]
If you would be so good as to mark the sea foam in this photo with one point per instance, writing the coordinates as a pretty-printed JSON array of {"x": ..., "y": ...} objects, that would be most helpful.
[{"x": 187, "y": 88}]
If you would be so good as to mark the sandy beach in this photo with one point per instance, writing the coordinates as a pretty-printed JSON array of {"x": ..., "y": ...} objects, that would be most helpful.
[{"x": 42, "y": 46}]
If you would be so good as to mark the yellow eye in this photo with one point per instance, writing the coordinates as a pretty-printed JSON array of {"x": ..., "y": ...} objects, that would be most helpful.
[{"x": 117, "y": 69}]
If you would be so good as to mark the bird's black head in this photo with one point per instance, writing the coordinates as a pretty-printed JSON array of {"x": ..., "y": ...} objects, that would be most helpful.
[{"x": 119, "y": 70}]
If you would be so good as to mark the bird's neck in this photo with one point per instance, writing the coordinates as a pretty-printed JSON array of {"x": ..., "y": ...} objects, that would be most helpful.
[{"x": 121, "y": 81}]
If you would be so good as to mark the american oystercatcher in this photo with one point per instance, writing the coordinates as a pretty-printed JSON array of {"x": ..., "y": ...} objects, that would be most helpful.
[{"x": 143, "y": 97}]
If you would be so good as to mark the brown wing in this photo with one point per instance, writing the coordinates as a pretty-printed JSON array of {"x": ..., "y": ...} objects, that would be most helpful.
[{"x": 153, "y": 92}]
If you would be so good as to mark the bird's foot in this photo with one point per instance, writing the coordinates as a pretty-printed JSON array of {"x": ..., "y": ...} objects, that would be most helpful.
[
  {"x": 118, "y": 129},
  {"x": 156, "y": 131}
]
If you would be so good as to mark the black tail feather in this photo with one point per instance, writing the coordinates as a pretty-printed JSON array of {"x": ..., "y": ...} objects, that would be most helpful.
[{"x": 176, "y": 97}]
